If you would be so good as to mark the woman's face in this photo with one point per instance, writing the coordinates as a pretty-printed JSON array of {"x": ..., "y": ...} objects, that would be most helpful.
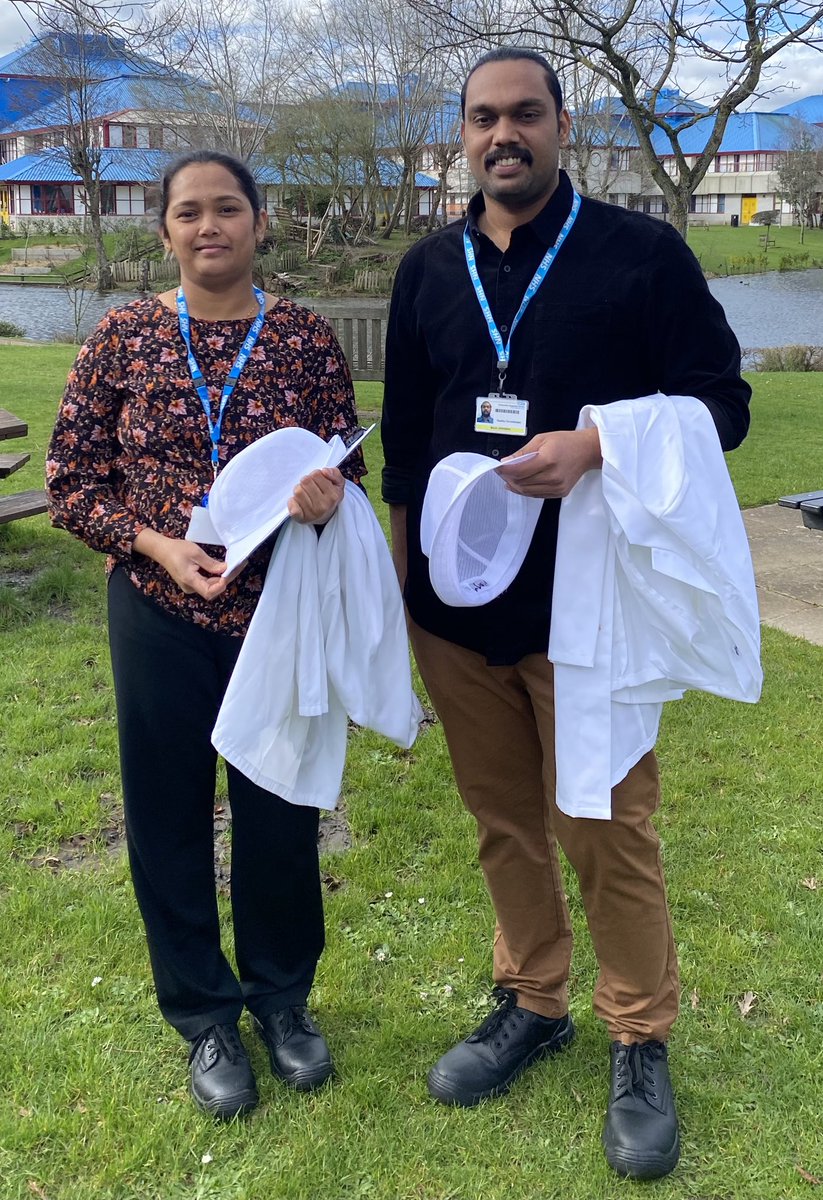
[{"x": 210, "y": 226}]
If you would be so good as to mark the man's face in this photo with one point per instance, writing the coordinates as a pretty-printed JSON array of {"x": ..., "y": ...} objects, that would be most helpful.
[
  {"x": 513, "y": 133},
  {"x": 486, "y": 409}
]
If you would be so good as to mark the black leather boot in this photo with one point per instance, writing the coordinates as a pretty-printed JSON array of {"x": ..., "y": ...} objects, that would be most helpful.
[
  {"x": 489, "y": 1060},
  {"x": 641, "y": 1137}
]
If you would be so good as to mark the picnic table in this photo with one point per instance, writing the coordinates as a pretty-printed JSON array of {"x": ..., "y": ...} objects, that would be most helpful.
[
  {"x": 810, "y": 505},
  {"x": 19, "y": 504}
]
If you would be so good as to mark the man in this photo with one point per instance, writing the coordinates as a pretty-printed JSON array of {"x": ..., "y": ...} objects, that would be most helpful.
[{"x": 621, "y": 311}]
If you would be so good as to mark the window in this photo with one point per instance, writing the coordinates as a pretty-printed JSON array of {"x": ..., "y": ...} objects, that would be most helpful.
[
  {"x": 52, "y": 199},
  {"x": 107, "y": 200},
  {"x": 128, "y": 136},
  {"x": 130, "y": 200},
  {"x": 654, "y": 204},
  {"x": 707, "y": 204}
]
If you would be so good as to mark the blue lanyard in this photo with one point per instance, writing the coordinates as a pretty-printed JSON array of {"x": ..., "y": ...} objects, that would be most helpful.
[
  {"x": 503, "y": 353},
  {"x": 243, "y": 356}
]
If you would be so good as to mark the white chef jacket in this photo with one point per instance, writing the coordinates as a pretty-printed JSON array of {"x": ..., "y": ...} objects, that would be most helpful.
[
  {"x": 654, "y": 592},
  {"x": 327, "y": 639}
]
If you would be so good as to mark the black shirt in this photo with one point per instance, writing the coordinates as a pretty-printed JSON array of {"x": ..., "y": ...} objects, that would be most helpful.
[{"x": 624, "y": 312}]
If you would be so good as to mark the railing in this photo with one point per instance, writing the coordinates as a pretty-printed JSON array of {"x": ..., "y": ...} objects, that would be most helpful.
[{"x": 360, "y": 326}]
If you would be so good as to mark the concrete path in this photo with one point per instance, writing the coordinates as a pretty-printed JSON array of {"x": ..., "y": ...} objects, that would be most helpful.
[{"x": 788, "y": 567}]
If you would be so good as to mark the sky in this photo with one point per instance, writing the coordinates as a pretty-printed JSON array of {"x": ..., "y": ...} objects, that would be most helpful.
[{"x": 798, "y": 74}]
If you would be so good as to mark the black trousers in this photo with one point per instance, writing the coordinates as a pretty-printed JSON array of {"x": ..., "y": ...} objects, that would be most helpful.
[{"x": 169, "y": 679}]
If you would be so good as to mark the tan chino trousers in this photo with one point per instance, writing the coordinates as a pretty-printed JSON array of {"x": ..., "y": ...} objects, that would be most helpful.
[{"x": 499, "y": 726}]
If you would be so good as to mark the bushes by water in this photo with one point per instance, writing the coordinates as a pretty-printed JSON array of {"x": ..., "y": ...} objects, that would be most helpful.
[
  {"x": 789, "y": 358},
  {"x": 9, "y": 329}
]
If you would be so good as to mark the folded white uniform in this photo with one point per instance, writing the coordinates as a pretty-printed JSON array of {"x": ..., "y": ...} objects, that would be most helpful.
[
  {"x": 654, "y": 592},
  {"x": 327, "y": 639}
]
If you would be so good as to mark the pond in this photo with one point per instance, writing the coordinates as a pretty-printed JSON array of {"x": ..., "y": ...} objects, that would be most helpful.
[
  {"x": 775, "y": 309},
  {"x": 780, "y": 308}
]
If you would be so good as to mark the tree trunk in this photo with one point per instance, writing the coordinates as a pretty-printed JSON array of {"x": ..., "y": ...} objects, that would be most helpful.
[
  {"x": 104, "y": 280},
  {"x": 391, "y": 224}
]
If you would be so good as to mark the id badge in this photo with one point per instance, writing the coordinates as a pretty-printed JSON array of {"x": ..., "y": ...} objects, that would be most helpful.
[
  {"x": 500, "y": 412},
  {"x": 201, "y": 529}
]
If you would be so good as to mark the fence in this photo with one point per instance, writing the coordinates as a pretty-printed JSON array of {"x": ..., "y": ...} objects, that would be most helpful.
[
  {"x": 145, "y": 271},
  {"x": 360, "y": 326}
]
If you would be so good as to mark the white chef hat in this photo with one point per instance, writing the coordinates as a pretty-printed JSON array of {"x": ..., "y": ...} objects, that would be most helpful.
[
  {"x": 474, "y": 531},
  {"x": 248, "y": 500}
]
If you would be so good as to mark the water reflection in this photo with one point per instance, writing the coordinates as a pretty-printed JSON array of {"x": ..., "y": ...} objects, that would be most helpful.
[
  {"x": 780, "y": 308},
  {"x": 46, "y": 313},
  {"x": 775, "y": 309}
]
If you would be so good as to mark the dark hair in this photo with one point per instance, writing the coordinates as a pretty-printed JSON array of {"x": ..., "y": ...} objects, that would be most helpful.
[
  {"x": 509, "y": 53},
  {"x": 237, "y": 168}
]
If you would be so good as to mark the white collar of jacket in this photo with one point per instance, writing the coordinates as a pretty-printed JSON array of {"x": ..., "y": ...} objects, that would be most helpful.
[
  {"x": 328, "y": 638},
  {"x": 654, "y": 592}
]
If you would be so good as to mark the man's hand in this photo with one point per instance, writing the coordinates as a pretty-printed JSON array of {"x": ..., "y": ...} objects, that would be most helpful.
[
  {"x": 316, "y": 497},
  {"x": 560, "y": 459},
  {"x": 189, "y": 566}
]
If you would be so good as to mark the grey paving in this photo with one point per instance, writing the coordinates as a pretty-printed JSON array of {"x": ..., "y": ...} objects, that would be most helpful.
[{"x": 788, "y": 568}]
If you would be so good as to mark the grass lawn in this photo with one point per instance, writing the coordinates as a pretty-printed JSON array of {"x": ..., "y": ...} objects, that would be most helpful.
[
  {"x": 94, "y": 1102},
  {"x": 723, "y": 250}
]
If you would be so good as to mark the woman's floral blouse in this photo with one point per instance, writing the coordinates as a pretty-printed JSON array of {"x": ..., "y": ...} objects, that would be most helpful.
[{"x": 131, "y": 446}]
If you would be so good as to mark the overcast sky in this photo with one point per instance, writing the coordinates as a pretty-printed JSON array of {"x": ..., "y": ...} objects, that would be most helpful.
[{"x": 799, "y": 74}]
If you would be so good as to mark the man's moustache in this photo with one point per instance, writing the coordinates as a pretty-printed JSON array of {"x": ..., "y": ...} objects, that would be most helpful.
[{"x": 496, "y": 156}]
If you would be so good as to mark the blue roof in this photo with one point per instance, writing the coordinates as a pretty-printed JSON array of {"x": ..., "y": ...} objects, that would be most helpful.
[
  {"x": 745, "y": 132},
  {"x": 18, "y": 96},
  {"x": 809, "y": 109},
  {"x": 147, "y": 166},
  {"x": 112, "y": 96},
  {"x": 32, "y": 94},
  {"x": 116, "y": 166},
  {"x": 94, "y": 55}
]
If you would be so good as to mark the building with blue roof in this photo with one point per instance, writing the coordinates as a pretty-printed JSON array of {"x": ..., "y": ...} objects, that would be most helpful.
[
  {"x": 742, "y": 180},
  {"x": 143, "y": 115}
]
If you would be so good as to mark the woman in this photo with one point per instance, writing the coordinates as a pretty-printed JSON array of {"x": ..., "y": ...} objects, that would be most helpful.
[{"x": 144, "y": 426}]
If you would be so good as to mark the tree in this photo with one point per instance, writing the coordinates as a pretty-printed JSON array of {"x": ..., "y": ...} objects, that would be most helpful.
[
  {"x": 636, "y": 48},
  {"x": 382, "y": 57},
  {"x": 800, "y": 174},
  {"x": 73, "y": 59},
  {"x": 239, "y": 55},
  {"x": 139, "y": 21}
]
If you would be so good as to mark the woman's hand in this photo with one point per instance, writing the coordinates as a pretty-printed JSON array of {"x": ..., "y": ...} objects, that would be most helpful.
[
  {"x": 189, "y": 566},
  {"x": 316, "y": 497}
]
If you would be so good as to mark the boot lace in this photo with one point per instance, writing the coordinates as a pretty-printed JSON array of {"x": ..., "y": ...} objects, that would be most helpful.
[
  {"x": 501, "y": 1021},
  {"x": 635, "y": 1069},
  {"x": 219, "y": 1040}
]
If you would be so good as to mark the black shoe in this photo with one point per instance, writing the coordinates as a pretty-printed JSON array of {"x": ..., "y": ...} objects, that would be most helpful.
[
  {"x": 640, "y": 1137},
  {"x": 297, "y": 1049},
  {"x": 489, "y": 1061},
  {"x": 222, "y": 1081}
]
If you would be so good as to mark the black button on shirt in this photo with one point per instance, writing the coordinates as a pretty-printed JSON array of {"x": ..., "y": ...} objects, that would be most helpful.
[{"x": 624, "y": 312}]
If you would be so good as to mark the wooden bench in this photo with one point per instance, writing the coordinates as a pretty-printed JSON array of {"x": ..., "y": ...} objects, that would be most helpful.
[
  {"x": 19, "y": 504},
  {"x": 361, "y": 331},
  {"x": 810, "y": 505}
]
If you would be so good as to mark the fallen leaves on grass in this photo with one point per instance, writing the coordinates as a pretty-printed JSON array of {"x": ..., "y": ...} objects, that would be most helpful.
[
  {"x": 807, "y": 1176},
  {"x": 695, "y": 999},
  {"x": 811, "y": 883},
  {"x": 746, "y": 1003}
]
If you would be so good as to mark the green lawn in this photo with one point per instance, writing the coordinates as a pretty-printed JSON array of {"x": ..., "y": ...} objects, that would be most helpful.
[
  {"x": 726, "y": 251},
  {"x": 94, "y": 1101}
]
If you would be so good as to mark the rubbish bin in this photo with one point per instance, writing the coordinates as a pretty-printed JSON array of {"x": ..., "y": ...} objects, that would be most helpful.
[{"x": 735, "y": 220}]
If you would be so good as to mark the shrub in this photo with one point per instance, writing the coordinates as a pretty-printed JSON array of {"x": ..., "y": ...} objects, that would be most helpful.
[
  {"x": 793, "y": 262},
  {"x": 789, "y": 358},
  {"x": 9, "y": 329}
]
